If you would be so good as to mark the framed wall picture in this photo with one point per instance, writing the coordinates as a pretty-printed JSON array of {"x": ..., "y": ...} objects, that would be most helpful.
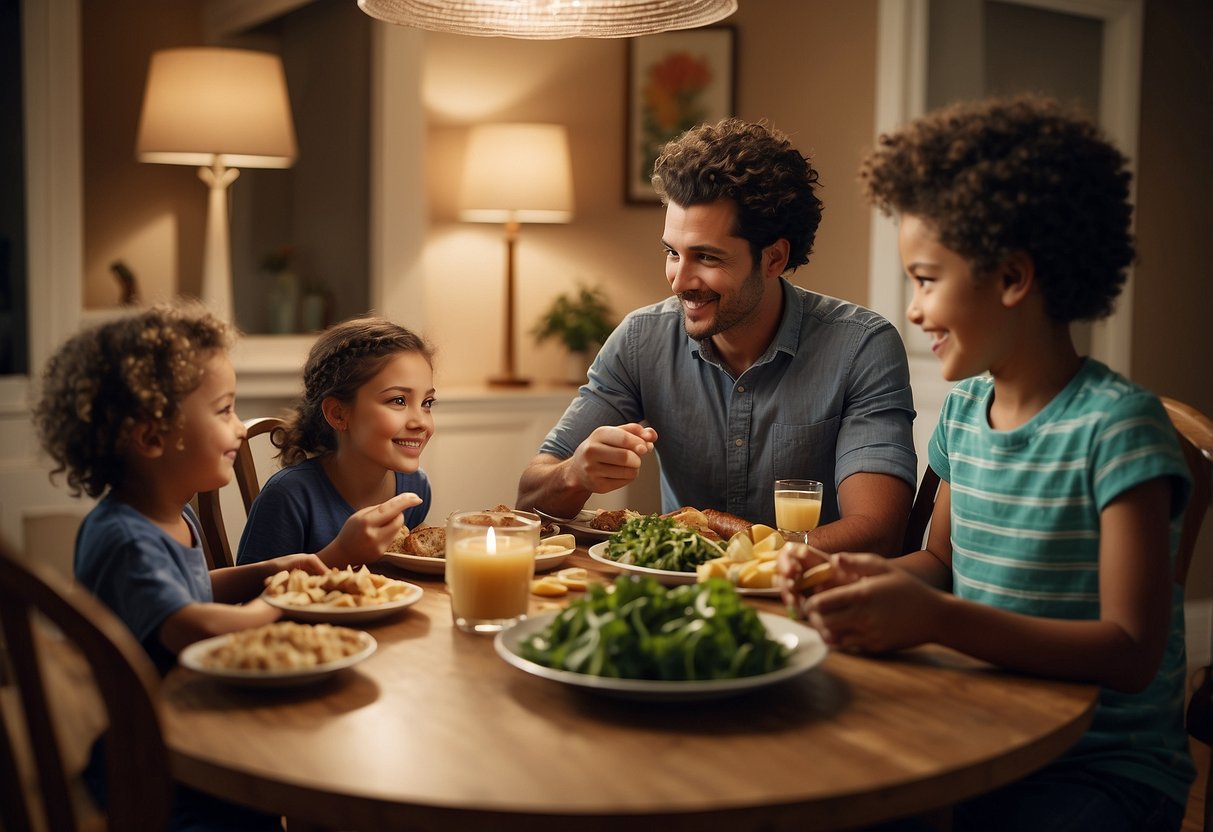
[{"x": 676, "y": 80}]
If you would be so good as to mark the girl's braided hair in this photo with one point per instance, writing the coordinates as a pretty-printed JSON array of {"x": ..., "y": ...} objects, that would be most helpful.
[
  {"x": 108, "y": 379},
  {"x": 343, "y": 358}
]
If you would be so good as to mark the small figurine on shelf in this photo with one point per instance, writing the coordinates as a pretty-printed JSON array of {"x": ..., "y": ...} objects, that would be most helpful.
[
  {"x": 126, "y": 282},
  {"x": 315, "y": 308},
  {"x": 284, "y": 297}
]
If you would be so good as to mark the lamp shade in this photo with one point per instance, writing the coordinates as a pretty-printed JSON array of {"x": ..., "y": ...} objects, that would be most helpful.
[
  {"x": 207, "y": 105},
  {"x": 518, "y": 172},
  {"x": 549, "y": 19}
]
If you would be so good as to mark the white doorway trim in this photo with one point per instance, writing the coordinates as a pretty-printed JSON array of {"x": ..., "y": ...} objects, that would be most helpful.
[{"x": 901, "y": 95}]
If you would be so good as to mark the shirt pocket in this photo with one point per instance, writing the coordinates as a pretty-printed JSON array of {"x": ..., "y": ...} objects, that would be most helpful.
[{"x": 805, "y": 452}]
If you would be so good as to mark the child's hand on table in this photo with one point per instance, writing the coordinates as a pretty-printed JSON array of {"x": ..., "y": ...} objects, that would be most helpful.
[{"x": 871, "y": 605}]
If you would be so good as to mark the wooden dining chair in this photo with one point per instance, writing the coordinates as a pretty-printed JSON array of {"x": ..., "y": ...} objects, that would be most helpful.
[
  {"x": 1196, "y": 440},
  {"x": 86, "y": 633},
  {"x": 920, "y": 512},
  {"x": 215, "y": 541}
]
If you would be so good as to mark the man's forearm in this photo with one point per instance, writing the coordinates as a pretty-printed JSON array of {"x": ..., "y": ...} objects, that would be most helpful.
[
  {"x": 546, "y": 485},
  {"x": 857, "y": 534}
]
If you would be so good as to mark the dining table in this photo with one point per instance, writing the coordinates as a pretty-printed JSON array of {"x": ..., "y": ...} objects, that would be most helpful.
[{"x": 436, "y": 731}]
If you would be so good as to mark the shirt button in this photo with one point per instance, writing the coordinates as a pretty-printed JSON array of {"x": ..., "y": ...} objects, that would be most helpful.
[
  {"x": 738, "y": 442},
  {"x": 740, "y": 388}
]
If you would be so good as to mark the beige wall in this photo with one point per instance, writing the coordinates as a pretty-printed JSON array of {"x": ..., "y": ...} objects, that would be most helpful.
[
  {"x": 149, "y": 216},
  {"x": 806, "y": 67}
]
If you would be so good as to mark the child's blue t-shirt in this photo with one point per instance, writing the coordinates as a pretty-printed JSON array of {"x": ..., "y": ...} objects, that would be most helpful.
[
  {"x": 141, "y": 573},
  {"x": 1025, "y": 529},
  {"x": 299, "y": 510}
]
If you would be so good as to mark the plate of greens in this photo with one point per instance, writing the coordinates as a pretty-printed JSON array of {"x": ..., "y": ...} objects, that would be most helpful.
[
  {"x": 637, "y": 639},
  {"x": 666, "y": 577},
  {"x": 659, "y": 547}
]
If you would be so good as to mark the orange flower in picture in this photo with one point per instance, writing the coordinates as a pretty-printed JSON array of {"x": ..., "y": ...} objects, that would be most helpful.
[{"x": 671, "y": 102}]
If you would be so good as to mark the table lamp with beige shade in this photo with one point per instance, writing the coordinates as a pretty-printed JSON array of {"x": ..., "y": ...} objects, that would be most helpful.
[
  {"x": 515, "y": 173},
  {"x": 220, "y": 109}
]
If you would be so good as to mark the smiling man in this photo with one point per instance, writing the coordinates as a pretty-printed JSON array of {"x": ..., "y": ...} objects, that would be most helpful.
[{"x": 741, "y": 377}]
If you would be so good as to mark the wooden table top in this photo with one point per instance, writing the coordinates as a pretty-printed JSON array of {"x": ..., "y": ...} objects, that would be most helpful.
[{"x": 435, "y": 731}]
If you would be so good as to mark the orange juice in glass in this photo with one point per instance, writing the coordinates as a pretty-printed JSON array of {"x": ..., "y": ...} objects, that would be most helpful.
[
  {"x": 490, "y": 560},
  {"x": 797, "y": 508}
]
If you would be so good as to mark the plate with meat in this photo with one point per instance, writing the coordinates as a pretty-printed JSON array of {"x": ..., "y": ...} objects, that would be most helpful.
[
  {"x": 426, "y": 555},
  {"x": 594, "y": 523}
]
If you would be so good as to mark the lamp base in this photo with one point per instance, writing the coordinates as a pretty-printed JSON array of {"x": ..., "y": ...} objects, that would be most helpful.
[{"x": 509, "y": 381}]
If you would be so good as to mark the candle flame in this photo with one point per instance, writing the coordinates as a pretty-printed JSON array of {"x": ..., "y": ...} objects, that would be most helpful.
[{"x": 490, "y": 542}]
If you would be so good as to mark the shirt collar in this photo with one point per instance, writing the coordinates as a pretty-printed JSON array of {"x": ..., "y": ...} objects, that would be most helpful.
[{"x": 787, "y": 336}]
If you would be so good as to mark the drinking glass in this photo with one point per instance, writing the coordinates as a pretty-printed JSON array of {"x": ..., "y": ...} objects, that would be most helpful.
[
  {"x": 797, "y": 508},
  {"x": 490, "y": 561}
]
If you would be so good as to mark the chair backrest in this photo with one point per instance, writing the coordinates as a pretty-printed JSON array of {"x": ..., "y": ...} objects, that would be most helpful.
[
  {"x": 139, "y": 782},
  {"x": 216, "y": 545},
  {"x": 920, "y": 512},
  {"x": 1196, "y": 439}
]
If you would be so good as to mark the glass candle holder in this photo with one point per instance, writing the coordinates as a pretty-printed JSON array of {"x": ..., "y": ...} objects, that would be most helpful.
[{"x": 490, "y": 561}]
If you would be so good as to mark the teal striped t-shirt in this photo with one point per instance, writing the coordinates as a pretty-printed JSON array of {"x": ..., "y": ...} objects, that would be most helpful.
[{"x": 1025, "y": 537}]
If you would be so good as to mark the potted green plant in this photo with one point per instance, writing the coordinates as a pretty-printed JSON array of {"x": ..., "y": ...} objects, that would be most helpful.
[{"x": 581, "y": 321}]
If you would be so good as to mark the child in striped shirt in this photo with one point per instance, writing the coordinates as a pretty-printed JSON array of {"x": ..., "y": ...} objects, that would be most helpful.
[{"x": 1052, "y": 541}]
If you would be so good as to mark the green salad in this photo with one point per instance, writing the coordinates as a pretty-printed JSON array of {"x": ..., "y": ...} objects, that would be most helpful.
[
  {"x": 661, "y": 543},
  {"x": 638, "y": 629}
]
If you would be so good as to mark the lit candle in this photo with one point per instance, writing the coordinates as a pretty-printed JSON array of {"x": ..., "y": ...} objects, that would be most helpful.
[{"x": 488, "y": 573}]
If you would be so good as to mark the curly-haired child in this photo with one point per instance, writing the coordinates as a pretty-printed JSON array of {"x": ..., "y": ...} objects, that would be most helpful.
[
  {"x": 141, "y": 412},
  {"x": 353, "y": 441},
  {"x": 1052, "y": 542}
]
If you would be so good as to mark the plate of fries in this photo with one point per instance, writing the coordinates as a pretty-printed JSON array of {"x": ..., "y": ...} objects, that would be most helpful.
[
  {"x": 281, "y": 654},
  {"x": 341, "y": 596}
]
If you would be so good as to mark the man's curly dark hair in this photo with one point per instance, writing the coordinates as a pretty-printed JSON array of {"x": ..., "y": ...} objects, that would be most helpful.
[
  {"x": 756, "y": 167},
  {"x": 1013, "y": 174},
  {"x": 344, "y": 357},
  {"x": 106, "y": 380}
]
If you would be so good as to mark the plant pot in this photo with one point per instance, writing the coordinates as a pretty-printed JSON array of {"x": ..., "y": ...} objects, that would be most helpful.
[{"x": 577, "y": 366}]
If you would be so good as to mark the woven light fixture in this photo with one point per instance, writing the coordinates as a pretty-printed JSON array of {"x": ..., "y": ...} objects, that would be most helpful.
[{"x": 550, "y": 19}]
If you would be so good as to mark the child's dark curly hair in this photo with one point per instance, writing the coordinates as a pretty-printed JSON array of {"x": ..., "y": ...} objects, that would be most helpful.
[
  {"x": 110, "y": 378},
  {"x": 343, "y": 358},
  {"x": 1016, "y": 174},
  {"x": 757, "y": 167}
]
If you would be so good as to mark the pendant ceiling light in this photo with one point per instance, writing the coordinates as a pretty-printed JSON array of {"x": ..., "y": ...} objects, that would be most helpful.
[{"x": 550, "y": 19}]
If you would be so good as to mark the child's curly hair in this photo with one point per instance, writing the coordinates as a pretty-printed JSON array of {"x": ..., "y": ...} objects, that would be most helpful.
[
  {"x": 757, "y": 167},
  {"x": 343, "y": 358},
  {"x": 110, "y": 378},
  {"x": 1016, "y": 174}
]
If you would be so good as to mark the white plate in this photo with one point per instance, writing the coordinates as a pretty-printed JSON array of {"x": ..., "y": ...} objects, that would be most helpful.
[
  {"x": 415, "y": 563},
  {"x": 437, "y": 566},
  {"x": 579, "y": 524},
  {"x": 192, "y": 656},
  {"x": 347, "y": 615},
  {"x": 667, "y": 577},
  {"x": 807, "y": 651}
]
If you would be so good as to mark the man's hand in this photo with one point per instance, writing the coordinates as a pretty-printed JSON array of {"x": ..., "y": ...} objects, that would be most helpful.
[
  {"x": 368, "y": 532},
  {"x": 611, "y": 456}
]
